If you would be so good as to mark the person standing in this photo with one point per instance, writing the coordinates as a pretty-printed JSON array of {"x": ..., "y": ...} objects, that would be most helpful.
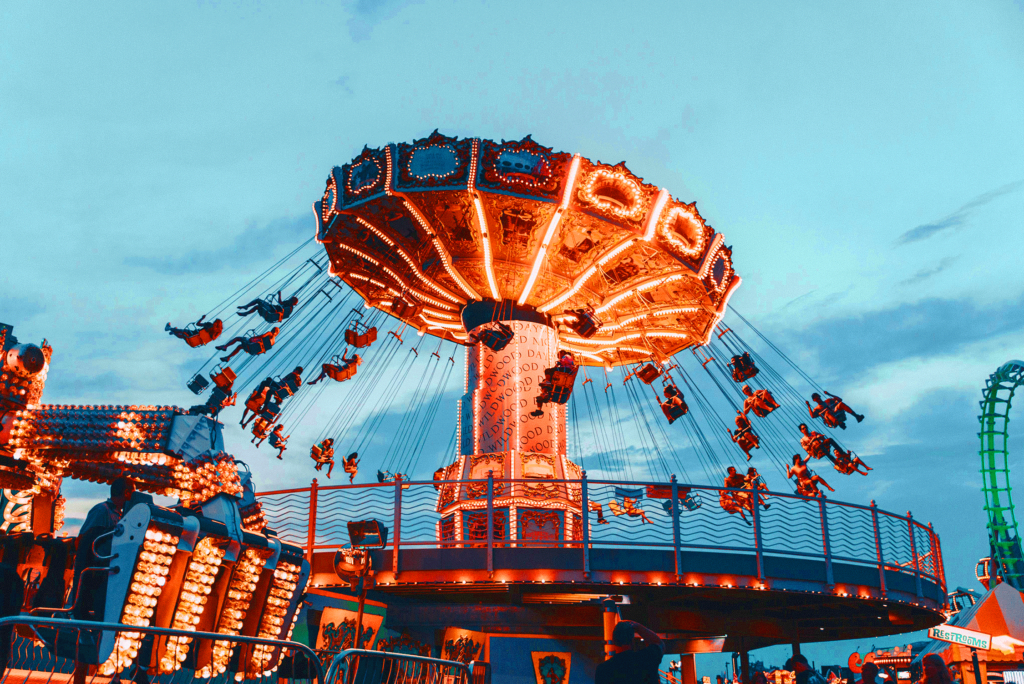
[
  {"x": 935, "y": 670},
  {"x": 631, "y": 665},
  {"x": 805, "y": 674}
]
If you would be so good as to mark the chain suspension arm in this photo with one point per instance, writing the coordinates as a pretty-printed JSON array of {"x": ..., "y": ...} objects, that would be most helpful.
[{"x": 1004, "y": 539}]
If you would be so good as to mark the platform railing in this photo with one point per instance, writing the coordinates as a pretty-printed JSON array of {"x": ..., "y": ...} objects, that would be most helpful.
[
  {"x": 72, "y": 643},
  {"x": 362, "y": 666},
  {"x": 620, "y": 514}
]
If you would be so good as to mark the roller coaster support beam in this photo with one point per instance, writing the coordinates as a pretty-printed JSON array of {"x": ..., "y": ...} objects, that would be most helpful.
[{"x": 1004, "y": 539}]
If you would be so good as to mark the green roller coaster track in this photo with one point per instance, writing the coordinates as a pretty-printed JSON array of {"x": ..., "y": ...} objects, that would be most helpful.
[{"x": 1004, "y": 541}]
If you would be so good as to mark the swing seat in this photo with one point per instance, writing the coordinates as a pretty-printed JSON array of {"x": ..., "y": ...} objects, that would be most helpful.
[
  {"x": 686, "y": 500},
  {"x": 585, "y": 324},
  {"x": 649, "y": 373},
  {"x": 561, "y": 385},
  {"x": 288, "y": 387},
  {"x": 496, "y": 340},
  {"x": 200, "y": 336},
  {"x": 748, "y": 441},
  {"x": 223, "y": 377},
  {"x": 270, "y": 412},
  {"x": 260, "y": 428},
  {"x": 360, "y": 337},
  {"x": 342, "y": 373},
  {"x": 743, "y": 368},
  {"x": 403, "y": 309},
  {"x": 674, "y": 411},
  {"x": 198, "y": 383}
]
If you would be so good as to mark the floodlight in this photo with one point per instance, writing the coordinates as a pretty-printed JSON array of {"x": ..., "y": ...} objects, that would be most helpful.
[{"x": 367, "y": 534}]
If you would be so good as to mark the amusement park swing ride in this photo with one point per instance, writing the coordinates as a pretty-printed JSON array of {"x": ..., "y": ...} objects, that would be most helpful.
[{"x": 588, "y": 314}]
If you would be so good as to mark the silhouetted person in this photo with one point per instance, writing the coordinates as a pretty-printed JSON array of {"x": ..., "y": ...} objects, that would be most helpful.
[
  {"x": 868, "y": 673},
  {"x": 935, "y": 670},
  {"x": 630, "y": 665}
]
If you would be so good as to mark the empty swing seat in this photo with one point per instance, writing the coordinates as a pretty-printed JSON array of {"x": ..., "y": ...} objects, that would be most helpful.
[
  {"x": 359, "y": 336},
  {"x": 497, "y": 339},
  {"x": 649, "y": 373},
  {"x": 585, "y": 324},
  {"x": 198, "y": 383}
]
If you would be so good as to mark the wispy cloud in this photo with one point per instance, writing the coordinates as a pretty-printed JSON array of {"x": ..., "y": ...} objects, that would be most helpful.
[
  {"x": 250, "y": 246},
  {"x": 958, "y": 217},
  {"x": 926, "y": 273},
  {"x": 366, "y": 14}
]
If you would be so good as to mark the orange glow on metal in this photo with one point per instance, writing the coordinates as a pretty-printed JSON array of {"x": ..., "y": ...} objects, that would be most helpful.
[
  {"x": 488, "y": 266},
  {"x": 652, "y": 220},
  {"x": 552, "y": 225}
]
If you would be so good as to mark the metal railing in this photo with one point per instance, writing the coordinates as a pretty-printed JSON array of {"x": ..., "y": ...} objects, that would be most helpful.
[
  {"x": 361, "y": 666},
  {"x": 664, "y": 515},
  {"x": 73, "y": 641}
]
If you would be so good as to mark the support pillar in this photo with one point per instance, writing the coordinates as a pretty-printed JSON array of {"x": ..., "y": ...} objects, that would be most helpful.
[
  {"x": 745, "y": 664},
  {"x": 611, "y": 618},
  {"x": 796, "y": 648},
  {"x": 688, "y": 668}
]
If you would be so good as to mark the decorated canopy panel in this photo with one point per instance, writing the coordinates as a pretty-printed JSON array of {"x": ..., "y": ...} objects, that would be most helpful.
[{"x": 422, "y": 229}]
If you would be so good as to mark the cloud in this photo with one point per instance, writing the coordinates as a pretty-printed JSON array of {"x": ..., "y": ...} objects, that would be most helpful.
[
  {"x": 252, "y": 245},
  {"x": 344, "y": 82},
  {"x": 366, "y": 14},
  {"x": 932, "y": 327},
  {"x": 926, "y": 273},
  {"x": 16, "y": 310},
  {"x": 958, "y": 217}
]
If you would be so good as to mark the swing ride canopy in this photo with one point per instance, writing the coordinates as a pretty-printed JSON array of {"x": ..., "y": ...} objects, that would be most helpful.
[{"x": 422, "y": 229}]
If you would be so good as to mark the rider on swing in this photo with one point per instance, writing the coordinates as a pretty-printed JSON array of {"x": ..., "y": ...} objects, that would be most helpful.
[
  {"x": 849, "y": 463},
  {"x": 816, "y": 444},
  {"x": 213, "y": 328},
  {"x": 832, "y": 410},
  {"x": 734, "y": 502},
  {"x": 254, "y": 345},
  {"x": 806, "y": 481},
  {"x": 278, "y": 441},
  {"x": 761, "y": 402},
  {"x": 339, "y": 371},
  {"x": 351, "y": 466},
  {"x": 674, "y": 405},
  {"x": 566, "y": 364},
  {"x": 744, "y": 435},
  {"x": 323, "y": 455},
  {"x": 268, "y": 310}
]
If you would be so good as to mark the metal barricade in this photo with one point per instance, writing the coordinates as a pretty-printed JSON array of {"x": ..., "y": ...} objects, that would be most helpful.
[
  {"x": 46, "y": 651},
  {"x": 362, "y": 666}
]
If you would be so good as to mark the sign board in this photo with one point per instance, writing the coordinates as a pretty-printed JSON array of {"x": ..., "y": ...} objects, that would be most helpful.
[{"x": 963, "y": 637}]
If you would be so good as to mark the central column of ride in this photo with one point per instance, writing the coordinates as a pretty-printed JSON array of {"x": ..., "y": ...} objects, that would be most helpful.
[{"x": 500, "y": 435}]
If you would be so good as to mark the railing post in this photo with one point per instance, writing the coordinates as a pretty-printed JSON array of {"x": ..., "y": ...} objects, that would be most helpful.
[
  {"x": 490, "y": 523},
  {"x": 940, "y": 570},
  {"x": 396, "y": 541},
  {"x": 826, "y": 543},
  {"x": 756, "y": 515},
  {"x": 913, "y": 553},
  {"x": 585, "y": 510},
  {"x": 311, "y": 518},
  {"x": 675, "y": 527},
  {"x": 878, "y": 548}
]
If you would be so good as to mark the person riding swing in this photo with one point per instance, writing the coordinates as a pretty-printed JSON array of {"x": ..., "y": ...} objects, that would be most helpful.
[
  {"x": 199, "y": 333},
  {"x": 253, "y": 345},
  {"x": 268, "y": 310}
]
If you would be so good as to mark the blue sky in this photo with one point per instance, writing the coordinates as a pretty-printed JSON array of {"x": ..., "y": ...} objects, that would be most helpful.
[{"x": 864, "y": 160}]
